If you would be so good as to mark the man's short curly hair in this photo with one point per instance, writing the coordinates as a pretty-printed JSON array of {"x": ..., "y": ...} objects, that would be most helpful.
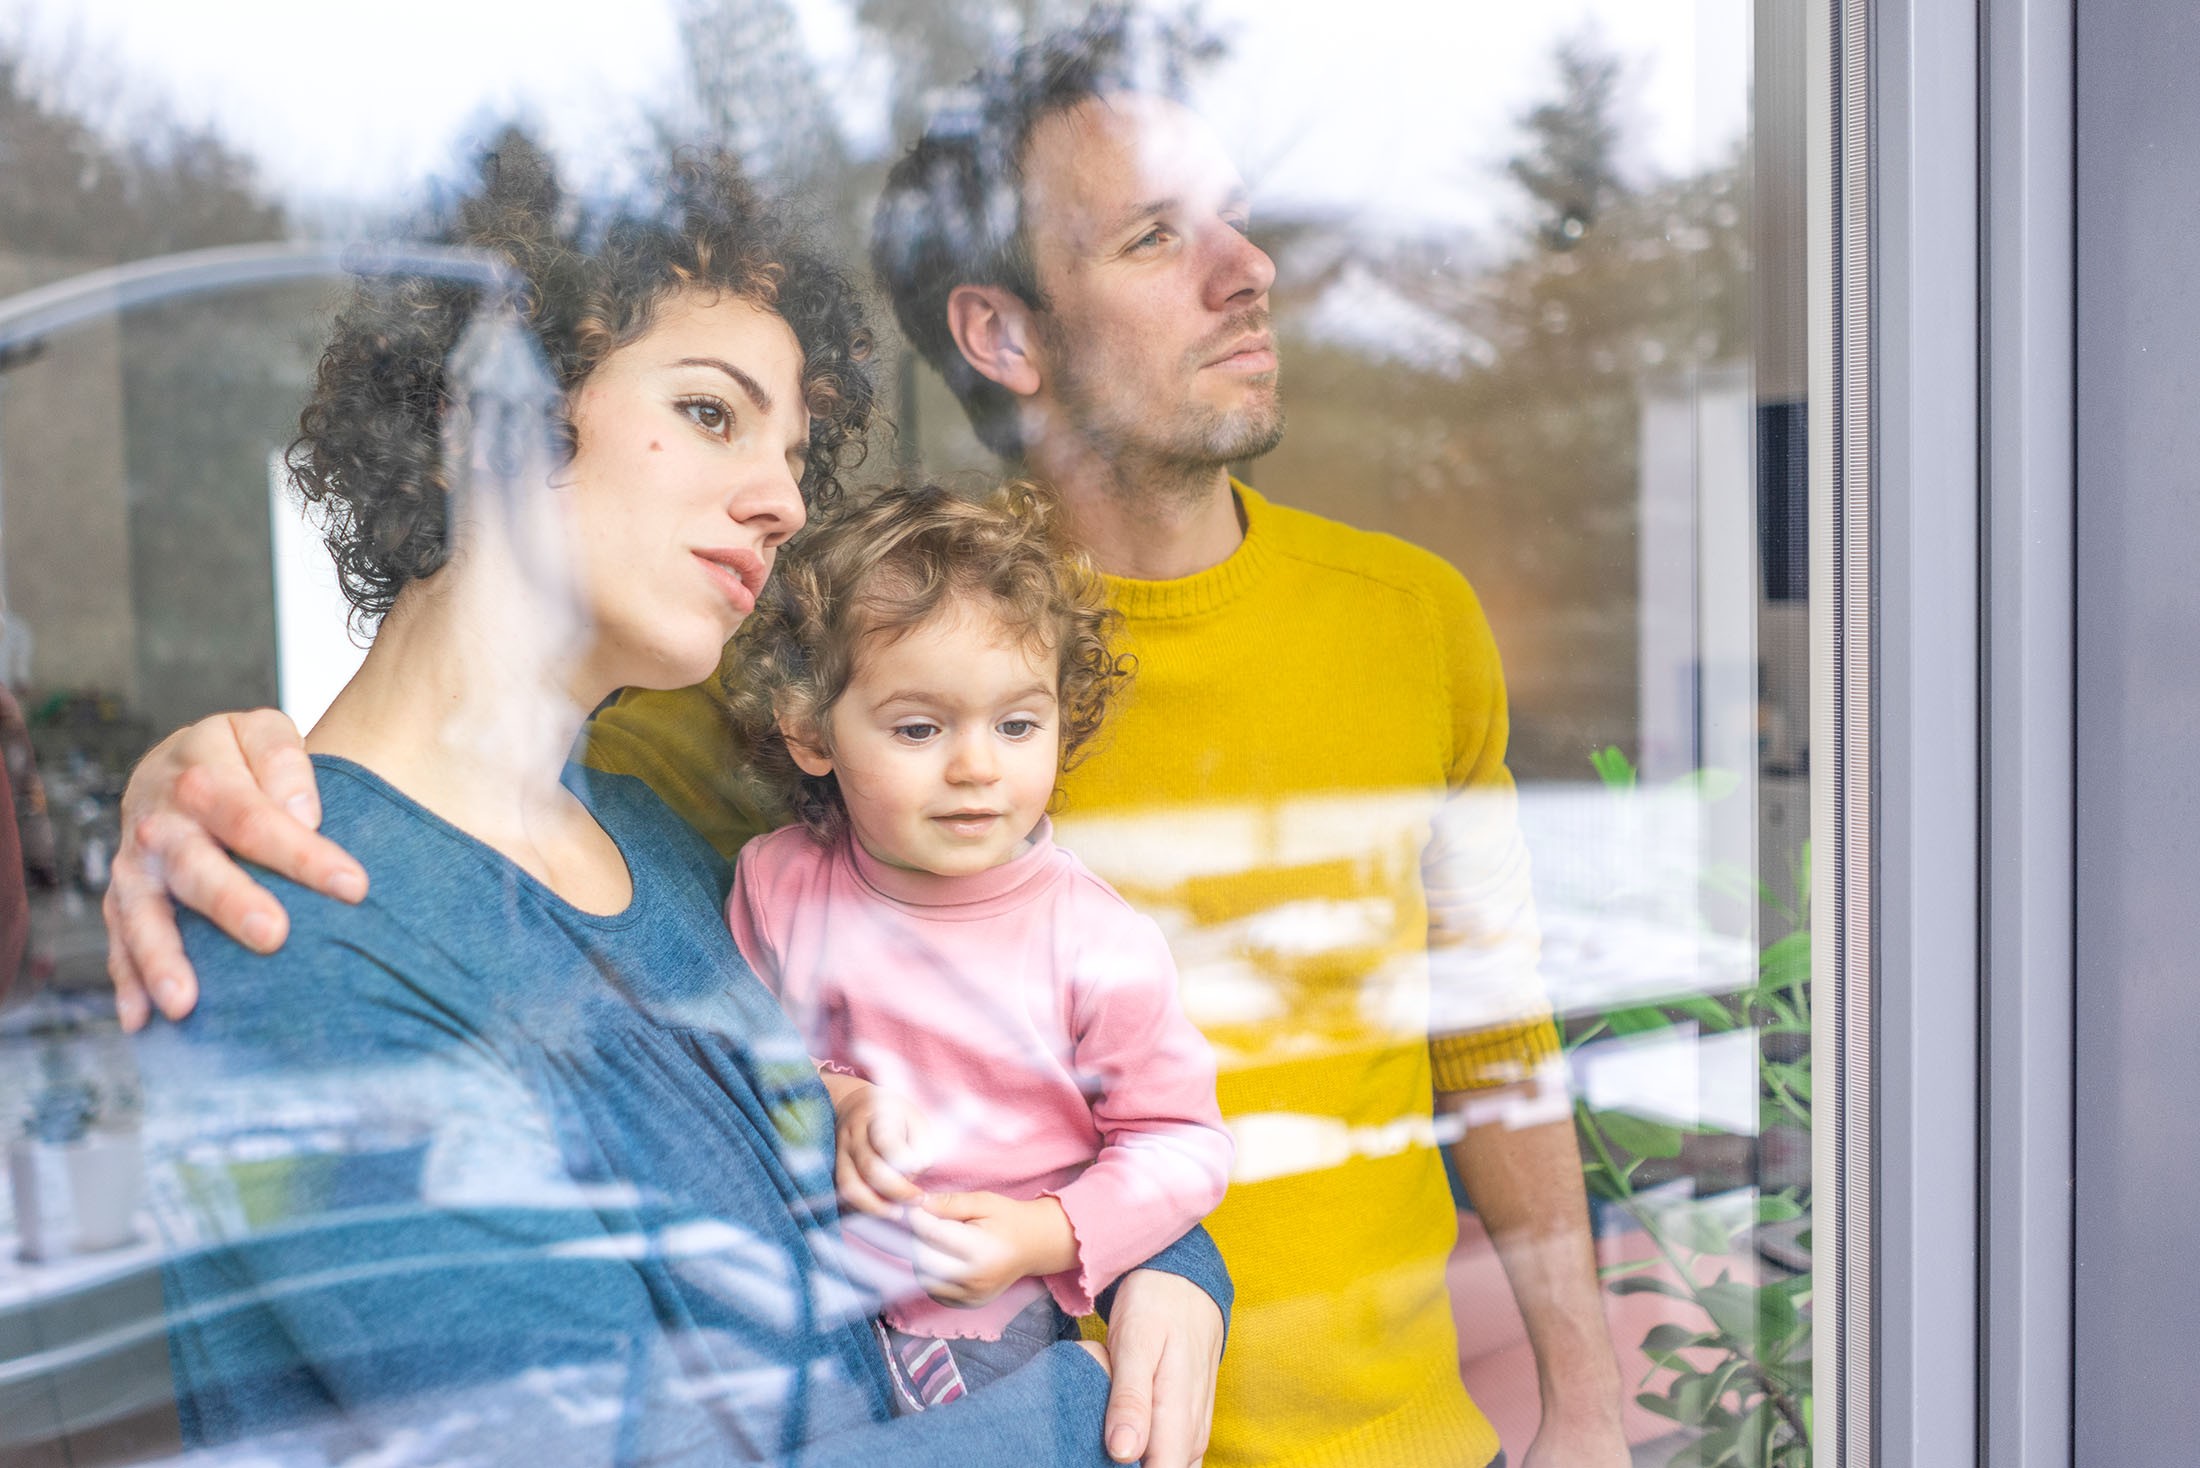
[
  {"x": 369, "y": 453},
  {"x": 881, "y": 570}
]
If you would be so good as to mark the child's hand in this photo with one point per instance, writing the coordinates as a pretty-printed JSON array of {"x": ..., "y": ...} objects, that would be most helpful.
[
  {"x": 880, "y": 1147},
  {"x": 972, "y": 1246}
]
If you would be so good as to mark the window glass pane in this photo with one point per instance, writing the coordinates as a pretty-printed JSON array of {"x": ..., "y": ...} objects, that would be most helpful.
[{"x": 1388, "y": 843}]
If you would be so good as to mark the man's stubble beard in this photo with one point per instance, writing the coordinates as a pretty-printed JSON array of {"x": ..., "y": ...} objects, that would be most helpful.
[{"x": 1171, "y": 461}]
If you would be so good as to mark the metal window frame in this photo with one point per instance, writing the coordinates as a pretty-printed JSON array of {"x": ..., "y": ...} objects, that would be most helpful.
[{"x": 1943, "y": 604}]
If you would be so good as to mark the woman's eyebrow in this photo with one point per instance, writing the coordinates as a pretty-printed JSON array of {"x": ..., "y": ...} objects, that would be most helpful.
[{"x": 749, "y": 385}]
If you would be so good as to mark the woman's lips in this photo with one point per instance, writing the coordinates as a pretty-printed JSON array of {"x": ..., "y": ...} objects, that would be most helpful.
[{"x": 738, "y": 575}]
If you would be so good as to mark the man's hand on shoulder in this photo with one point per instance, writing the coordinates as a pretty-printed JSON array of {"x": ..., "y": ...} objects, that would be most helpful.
[{"x": 231, "y": 783}]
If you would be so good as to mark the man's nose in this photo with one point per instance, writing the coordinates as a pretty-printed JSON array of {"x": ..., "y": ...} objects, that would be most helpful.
[
  {"x": 769, "y": 501},
  {"x": 1241, "y": 273}
]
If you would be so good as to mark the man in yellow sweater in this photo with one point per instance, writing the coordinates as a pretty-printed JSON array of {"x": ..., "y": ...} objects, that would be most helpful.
[{"x": 1307, "y": 788}]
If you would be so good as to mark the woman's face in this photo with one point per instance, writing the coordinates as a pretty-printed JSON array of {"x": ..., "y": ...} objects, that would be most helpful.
[{"x": 685, "y": 481}]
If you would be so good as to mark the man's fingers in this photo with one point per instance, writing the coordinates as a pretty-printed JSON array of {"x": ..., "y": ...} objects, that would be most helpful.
[
  {"x": 1129, "y": 1424},
  {"x": 240, "y": 816},
  {"x": 132, "y": 1005},
  {"x": 182, "y": 862},
  {"x": 143, "y": 944},
  {"x": 278, "y": 761}
]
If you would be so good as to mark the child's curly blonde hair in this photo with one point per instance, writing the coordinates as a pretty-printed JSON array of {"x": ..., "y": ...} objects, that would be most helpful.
[{"x": 882, "y": 569}]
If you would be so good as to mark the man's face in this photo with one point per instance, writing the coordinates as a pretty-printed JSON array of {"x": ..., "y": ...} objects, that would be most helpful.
[{"x": 1157, "y": 343}]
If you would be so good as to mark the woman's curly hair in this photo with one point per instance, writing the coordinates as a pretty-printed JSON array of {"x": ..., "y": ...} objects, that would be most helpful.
[
  {"x": 369, "y": 453},
  {"x": 881, "y": 569}
]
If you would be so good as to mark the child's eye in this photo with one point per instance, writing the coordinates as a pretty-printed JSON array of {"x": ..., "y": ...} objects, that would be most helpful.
[
  {"x": 708, "y": 414},
  {"x": 1018, "y": 728},
  {"x": 915, "y": 733}
]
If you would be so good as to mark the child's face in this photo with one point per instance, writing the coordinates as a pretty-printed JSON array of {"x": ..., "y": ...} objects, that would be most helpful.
[{"x": 946, "y": 743}]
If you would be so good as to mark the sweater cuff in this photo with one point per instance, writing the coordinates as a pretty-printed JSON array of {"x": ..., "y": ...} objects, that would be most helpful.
[{"x": 1475, "y": 1060}]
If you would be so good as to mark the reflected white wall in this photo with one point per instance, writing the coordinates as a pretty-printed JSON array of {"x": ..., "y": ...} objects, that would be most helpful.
[{"x": 315, "y": 655}]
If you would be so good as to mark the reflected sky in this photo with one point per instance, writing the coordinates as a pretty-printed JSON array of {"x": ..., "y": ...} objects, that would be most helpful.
[{"x": 338, "y": 112}]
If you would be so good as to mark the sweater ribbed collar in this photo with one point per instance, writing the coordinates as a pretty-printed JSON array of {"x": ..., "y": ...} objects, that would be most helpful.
[
  {"x": 976, "y": 895},
  {"x": 1208, "y": 590}
]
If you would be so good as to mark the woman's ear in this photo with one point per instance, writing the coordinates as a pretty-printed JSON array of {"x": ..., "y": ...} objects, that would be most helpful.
[
  {"x": 803, "y": 744},
  {"x": 993, "y": 328}
]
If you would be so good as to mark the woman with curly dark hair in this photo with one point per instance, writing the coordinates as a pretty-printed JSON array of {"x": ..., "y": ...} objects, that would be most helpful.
[{"x": 552, "y": 1174}]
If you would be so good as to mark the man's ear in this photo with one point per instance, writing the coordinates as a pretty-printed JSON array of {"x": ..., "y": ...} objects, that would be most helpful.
[
  {"x": 802, "y": 743},
  {"x": 993, "y": 327}
]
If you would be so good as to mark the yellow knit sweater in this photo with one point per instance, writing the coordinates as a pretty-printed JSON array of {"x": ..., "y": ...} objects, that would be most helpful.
[{"x": 1313, "y": 745}]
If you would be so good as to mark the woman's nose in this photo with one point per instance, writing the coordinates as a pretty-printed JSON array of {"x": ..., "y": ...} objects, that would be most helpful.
[{"x": 770, "y": 503}]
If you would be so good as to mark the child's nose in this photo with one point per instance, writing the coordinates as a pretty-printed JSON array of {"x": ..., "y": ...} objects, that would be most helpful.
[{"x": 973, "y": 762}]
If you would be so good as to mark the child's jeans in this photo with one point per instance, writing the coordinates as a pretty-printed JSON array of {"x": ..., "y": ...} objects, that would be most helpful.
[{"x": 931, "y": 1373}]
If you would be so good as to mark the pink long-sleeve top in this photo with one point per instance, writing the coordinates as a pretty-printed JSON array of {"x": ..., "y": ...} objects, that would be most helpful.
[{"x": 1029, "y": 1014}]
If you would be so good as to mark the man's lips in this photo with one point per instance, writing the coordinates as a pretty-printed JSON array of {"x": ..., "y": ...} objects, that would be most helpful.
[
  {"x": 739, "y": 574},
  {"x": 1253, "y": 354}
]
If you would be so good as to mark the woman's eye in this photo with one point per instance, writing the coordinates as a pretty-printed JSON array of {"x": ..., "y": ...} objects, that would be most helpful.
[{"x": 708, "y": 414}]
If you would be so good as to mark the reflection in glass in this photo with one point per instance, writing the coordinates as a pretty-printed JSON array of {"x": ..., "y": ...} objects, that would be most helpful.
[{"x": 1537, "y": 304}]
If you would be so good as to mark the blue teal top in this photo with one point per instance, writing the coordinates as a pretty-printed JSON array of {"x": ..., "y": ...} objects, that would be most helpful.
[{"x": 522, "y": 1182}]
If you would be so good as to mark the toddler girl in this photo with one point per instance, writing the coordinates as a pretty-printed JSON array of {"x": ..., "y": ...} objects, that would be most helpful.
[{"x": 1019, "y": 1098}]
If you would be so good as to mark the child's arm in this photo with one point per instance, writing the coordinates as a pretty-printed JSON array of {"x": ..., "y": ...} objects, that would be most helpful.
[{"x": 1166, "y": 1155}]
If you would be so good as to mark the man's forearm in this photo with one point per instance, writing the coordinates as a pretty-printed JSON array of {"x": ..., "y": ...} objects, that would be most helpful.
[{"x": 1524, "y": 1176}]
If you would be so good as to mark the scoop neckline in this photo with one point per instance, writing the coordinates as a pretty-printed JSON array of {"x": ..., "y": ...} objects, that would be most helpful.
[{"x": 625, "y": 917}]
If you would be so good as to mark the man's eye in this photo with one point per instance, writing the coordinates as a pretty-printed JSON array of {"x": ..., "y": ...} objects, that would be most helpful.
[
  {"x": 708, "y": 414},
  {"x": 1151, "y": 237}
]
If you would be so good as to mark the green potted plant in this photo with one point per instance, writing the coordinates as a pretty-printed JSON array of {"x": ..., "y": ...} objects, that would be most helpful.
[{"x": 1739, "y": 1350}]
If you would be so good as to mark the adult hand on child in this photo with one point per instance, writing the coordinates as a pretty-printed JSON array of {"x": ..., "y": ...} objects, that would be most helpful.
[
  {"x": 972, "y": 1246},
  {"x": 881, "y": 1147}
]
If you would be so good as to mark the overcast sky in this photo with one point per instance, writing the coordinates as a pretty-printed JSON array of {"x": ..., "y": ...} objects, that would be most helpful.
[{"x": 1399, "y": 108}]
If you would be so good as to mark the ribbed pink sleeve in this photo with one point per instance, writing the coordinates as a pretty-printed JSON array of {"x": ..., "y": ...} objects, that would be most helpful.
[{"x": 1166, "y": 1156}]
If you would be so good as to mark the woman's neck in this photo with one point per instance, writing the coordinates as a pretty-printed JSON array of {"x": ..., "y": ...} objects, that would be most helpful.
[{"x": 465, "y": 704}]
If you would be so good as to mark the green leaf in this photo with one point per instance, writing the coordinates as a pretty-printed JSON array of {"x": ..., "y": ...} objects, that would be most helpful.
[
  {"x": 1715, "y": 1017},
  {"x": 1786, "y": 961},
  {"x": 1754, "y": 1439},
  {"x": 1666, "y": 1338},
  {"x": 1748, "y": 1314},
  {"x": 1777, "y": 1208},
  {"x": 1700, "y": 1227},
  {"x": 1613, "y": 768},
  {"x": 1649, "y": 1284},
  {"x": 1641, "y": 1137},
  {"x": 1641, "y": 1019},
  {"x": 1657, "y": 1402}
]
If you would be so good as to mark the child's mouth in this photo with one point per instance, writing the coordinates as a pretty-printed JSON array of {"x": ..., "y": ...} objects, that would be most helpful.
[{"x": 968, "y": 822}]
